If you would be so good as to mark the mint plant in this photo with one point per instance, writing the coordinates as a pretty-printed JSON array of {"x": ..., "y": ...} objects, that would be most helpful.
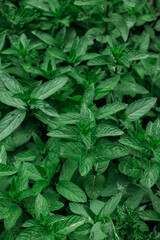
[{"x": 79, "y": 120}]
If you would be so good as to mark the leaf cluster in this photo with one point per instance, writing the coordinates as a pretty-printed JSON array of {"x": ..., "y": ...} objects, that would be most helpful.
[{"x": 79, "y": 120}]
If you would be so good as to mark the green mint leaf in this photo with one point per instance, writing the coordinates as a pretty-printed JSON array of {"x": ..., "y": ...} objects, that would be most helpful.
[
  {"x": 71, "y": 150},
  {"x": 80, "y": 209},
  {"x": 156, "y": 129},
  {"x": 105, "y": 130},
  {"x": 120, "y": 24},
  {"x": 96, "y": 206},
  {"x": 110, "y": 206},
  {"x": 69, "y": 132},
  {"x": 44, "y": 107},
  {"x": 96, "y": 231},
  {"x": 86, "y": 118},
  {"x": 101, "y": 61},
  {"x": 105, "y": 87},
  {"x": 130, "y": 3},
  {"x": 106, "y": 152},
  {"x": 150, "y": 176},
  {"x": 14, "y": 213},
  {"x": 150, "y": 215},
  {"x": 155, "y": 202},
  {"x": 71, "y": 191},
  {"x": 6, "y": 170},
  {"x": 41, "y": 207},
  {"x": 7, "y": 98},
  {"x": 33, "y": 172},
  {"x": 3, "y": 154},
  {"x": 41, "y": 5},
  {"x": 31, "y": 234},
  {"x": 110, "y": 109},
  {"x": 45, "y": 37},
  {"x": 134, "y": 143},
  {"x": 25, "y": 156},
  {"x": 87, "y": 2},
  {"x": 11, "y": 83},
  {"x": 11, "y": 122},
  {"x": 94, "y": 184},
  {"x": 131, "y": 167},
  {"x": 139, "y": 108},
  {"x": 135, "y": 199},
  {"x": 88, "y": 95},
  {"x": 49, "y": 88},
  {"x": 68, "y": 225},
  {"x": 85, "y": 165},
  {"x": 137, "y": 55},
  {"x": 68, "y": 169},
  {"x": 57, "y": 53},
  {"x": 2, "y": 41},
  {"x": 50, "y": 165}
]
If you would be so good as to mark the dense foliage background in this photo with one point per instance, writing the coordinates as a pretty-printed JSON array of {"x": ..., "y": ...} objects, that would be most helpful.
[{"x": 79, "y": 120}]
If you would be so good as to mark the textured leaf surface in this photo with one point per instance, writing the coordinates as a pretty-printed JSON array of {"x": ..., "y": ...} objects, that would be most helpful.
[
  {"x": 68, "y": 225},
  {"x": 109, "y": 151},
  {"x": 27, "y": 156},
  {"x": 110, "y": 109},
  {"x": 135, "y": 199},
  {"x": 65, "y": 132},
  {"x": 135, "y": 143},
  {"x": 155, "y": 202},
  {"x": 87, "y": 2},
  {"x": 101, "y": 61},
  {"x": 150, "y": 176},
  {"x": 137, "y": 55},
  {"x": 150, "y": 215},
  {"x": 71, "y": 191},
  {"x": 41, "y": 206},
  {"x": 119, "y": 22},
  {"x": 94, "y": 185},
  {"x": 7, "y": 98},
  {"x": 6, "y": 170},
  {"x": 45, "y": 37},
  {"x": 139, "y": 108},
  {"x": 49, "y": 88},
  {"x": 14, "y": 213},
  {"x": 85, "y": 165},
  {"x": 10, "y": 122},
  {"x": 79, "y": 209},
  {"x": 71, "y": 150},
  {"x": 131, "y": 167},
  {"x": 105, "y": 130},
  {"x": 110, "y": 206},
  {"x": 11, "y": 83},
  {"x": 3, "y": 154},
  {"x": 130, "y": 3},
  {"x": 31, "y": 234}
]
